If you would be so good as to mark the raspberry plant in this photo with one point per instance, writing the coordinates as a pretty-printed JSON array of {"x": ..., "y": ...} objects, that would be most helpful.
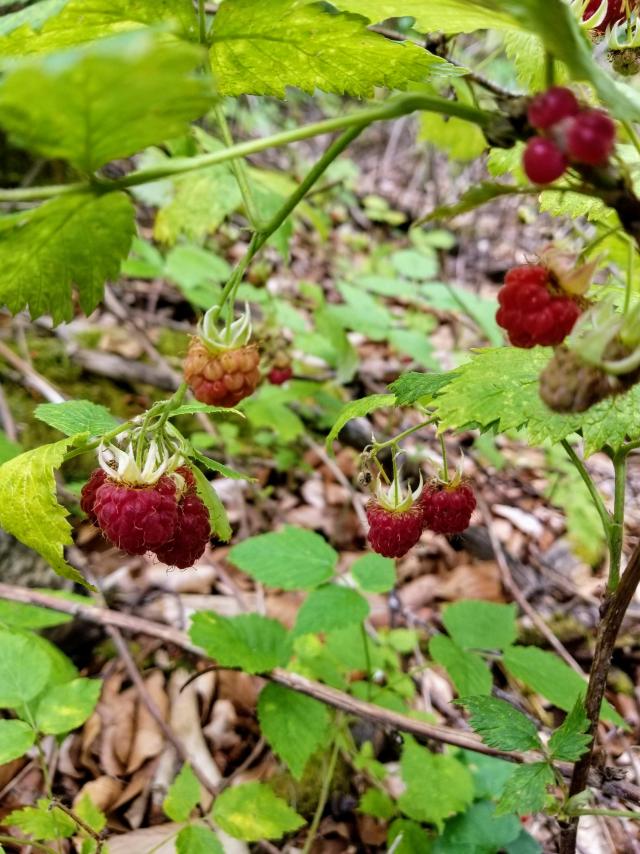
[{"x": 88, "y": 85}]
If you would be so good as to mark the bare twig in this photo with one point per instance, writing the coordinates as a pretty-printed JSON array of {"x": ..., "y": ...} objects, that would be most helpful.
[
  {"x": 6, "y": 418},
  {"x": 30, "y": 376}
]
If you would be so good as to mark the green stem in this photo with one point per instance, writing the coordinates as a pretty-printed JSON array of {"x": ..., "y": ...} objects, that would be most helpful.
[
  {"x": 259, "y": 238},
  {"x": 367, "y": 658},
  {"x": 610, "y": 813},
  {"x": 445, "y": 467},
  {"x": 549, "y": 70},
  {"x": 616, "y": 528},
  {"x": 629, "y": 282},
  {"x": 604, "y": 514},
  {"x": 25, "y": 844},
  {"x": 172, "y": 404},
  {"x": 396, "y": 479},
  {"x": 202, "y": 21},
  {"x": 391, "y": 109},
  {"x": 239, "y": 168},
  {"x": 324, "y": 794},
  {"x": 378, "y": 446}
]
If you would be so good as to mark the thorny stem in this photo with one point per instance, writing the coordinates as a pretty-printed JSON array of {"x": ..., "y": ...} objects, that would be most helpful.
[
  {"x": 324, "y": 794},
  {"x": 393, "y": 108},
  {"x": 613, "y": 609}
]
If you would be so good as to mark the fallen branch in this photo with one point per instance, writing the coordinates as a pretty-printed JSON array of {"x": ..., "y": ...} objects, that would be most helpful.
[{"x": 330, "y": 696}]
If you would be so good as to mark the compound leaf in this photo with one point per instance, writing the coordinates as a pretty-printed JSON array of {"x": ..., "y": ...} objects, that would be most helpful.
[
  {"x": 195, "y": 839},
  {"x": 67, "y": 706},
  {"x": 183, "y": 795},
  {"x": 16, "y": 737},
  {"x": 476, "y": 624},
  {"x": 249, "y": 641},
  {"x": 330, "y": 607},
  {"x": 571, "y": 739},
  {"x": 358, "y": 409},
  {"x": 500, "y": 724},
  {"x": 526, "y": 790},
  {"x": 468, "y": 671}
]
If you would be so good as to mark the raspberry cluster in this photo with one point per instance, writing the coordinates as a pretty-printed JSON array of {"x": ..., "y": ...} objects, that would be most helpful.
[
  {"x": 567, "y": 134},
  {"x": 159, "y": 517},
  {"x": 221, "y": 378},
  {"x": 534, "y": 309},
  {"x": 444, "y": 508}
]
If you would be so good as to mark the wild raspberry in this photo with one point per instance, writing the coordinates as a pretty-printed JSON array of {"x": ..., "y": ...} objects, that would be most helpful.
[
  {"x": 550, "y": 107},
  {"x": 221, "y": 378},
  {"x": 137, "y": 519},
  {"x": 447, "y": 508},
  {"x": 393, "y": 532},
  {"x": 278, "y": 376},
  {"x": 543, "y": 161},
  {"x": 531, "y": 312},
  {"x": 191, "y": 534},
  {"x": 88, "y": 494},
  {"x": 189, "y": 479},
  {"x": 591, "y": 137}
]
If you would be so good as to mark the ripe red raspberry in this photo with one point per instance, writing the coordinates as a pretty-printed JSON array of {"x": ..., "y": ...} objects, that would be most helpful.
[
  {"x": 447, "y": 509},
  {"x": 543, "y": 161},
  {"x": 191, "y": 535},
  {"x": 591, "y": 137},
  {"x": 530, "y": 311},
  {"x": 393, "y": 532},
  {"x": 550, "y": 107},
  {"x": 278, "y": 376},
  {"x": 190, "y": 482},
  {"x": 137, "y": 519},
  {"x": 88, "y": 494},
  {"x": 223, "y": 378}
]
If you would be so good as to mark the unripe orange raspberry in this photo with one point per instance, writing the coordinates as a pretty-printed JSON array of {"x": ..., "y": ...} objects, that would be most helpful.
[{"x": 222, "y": 378}]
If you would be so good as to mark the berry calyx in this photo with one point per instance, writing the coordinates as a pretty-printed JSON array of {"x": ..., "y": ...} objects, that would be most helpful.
[
  {"x": 550, "y": 107},
  {"x": 543, "y": 161},
  {"x": 191, "y": 535},
  {"x": 591, "y": 137},
  {"x": 533, "y": 310},
  {"x": 447, "y": 507},
  {"x": 395, "y": 520},
  {"x": 88, "y": 493},
  {"x": 278, "y": 376},
  {"x": 137, "y": 519},
  {"x": 224, "y": 378},
  {"x": 615, "y": 11}
]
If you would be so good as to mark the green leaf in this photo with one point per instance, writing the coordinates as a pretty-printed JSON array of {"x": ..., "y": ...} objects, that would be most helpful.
[
  {"x": 261, "y": 49},
  {"x": 28, "y": 506},
  {"x": 500, "y": 724},
  {"x": 74, "y": 240},
  {"x": 478, "y": 830},
  {"x": 475, "y": 624},
  {"x": 470, "y": 200},
  {"x": 254, "y": 643},
  {"x": 571, "y": 739},
  {"x": 252, "y": 811},
  {"x": 16, "y": 737},
  {"x": 217, "y": 513},
  {"x": 294, "y": 725},
  {"x": 219, "y": 468},
  {"x": 469, "y": 673},
  {"x": 448, "y": 16},
  {"x": 8, "y": 449},
  {"x": 62, "y": 668},
  {"x": 195, "y": 839},
  {"x": 330, "y": 607},
  {"x": 42, "y": 822},
  {"x": 24, "y": 669},
  {"x": 55, "y": 24},
  {"x": 378, "y": 804},
  {"x": 106, "y": 101},
  {"x": 68, "y": 706},
  {"x": 19, "y": 616},
  {"x": 461, "y": 140},
  {"x": 414, "y": 839},
  {"x": 90, "y": 814},
  {"x": 556, "y": 25},
  {"x": 498, "y": 389},
  {"x": 374, "y": 573},
  {"x": 183, "y": 795},
  {"x": 76, "y": 416},
  {"x": 438, "y": 785},
  {"x": 489, "y": 774},
  {"x": 292, "y": 559},
  {"x": 548, "y": 675},
  {"x": 413, "y": 387},
  {"x": 358, "y": 409},
  {"x": 526, "y": 790}
]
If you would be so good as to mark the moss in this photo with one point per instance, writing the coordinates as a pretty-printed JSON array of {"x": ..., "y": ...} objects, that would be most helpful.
[{"x": 304, "y": 794}]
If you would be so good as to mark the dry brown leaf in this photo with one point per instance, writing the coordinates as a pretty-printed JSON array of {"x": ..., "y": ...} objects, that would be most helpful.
[
  {"x": 148, "y": 737},
  {"x": 103, "y": 792},
  {"x": 472, "y": 581}
]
